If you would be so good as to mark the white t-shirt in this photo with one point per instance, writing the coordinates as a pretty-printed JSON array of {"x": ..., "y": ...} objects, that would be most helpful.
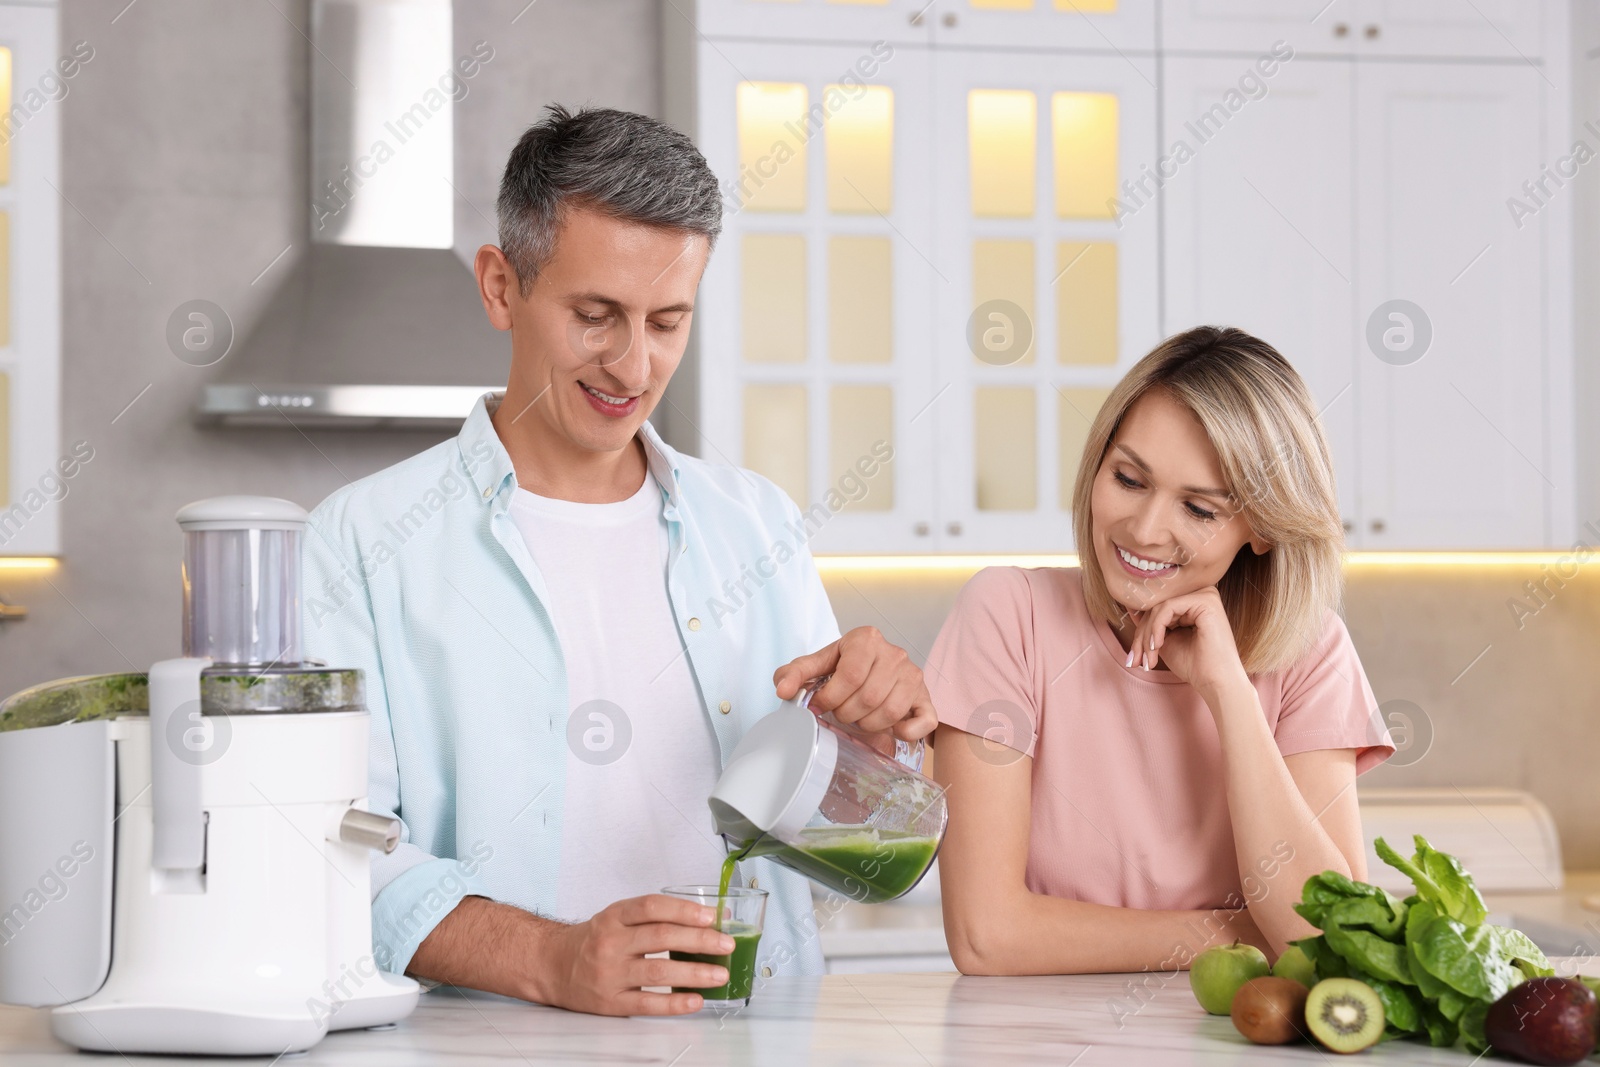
[{"x": 641, "y": 757}]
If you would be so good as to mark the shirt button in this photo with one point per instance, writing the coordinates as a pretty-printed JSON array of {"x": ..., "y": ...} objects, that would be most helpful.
[
  {"x": 694, "y": 624},
  {"x": 488, "y": 492},
  {"x": 724, "y": 707},
  {"x": 754, "y": 884},
  {"x": 766, "y": 972}
]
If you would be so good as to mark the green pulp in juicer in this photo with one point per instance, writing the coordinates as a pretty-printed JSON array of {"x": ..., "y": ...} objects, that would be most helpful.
[
  {"x": 866, "y": 864},
  {"x": 741, "y": 964},
  {"x": 224, "y": 690},
  {"x": 82, "y": 699}
]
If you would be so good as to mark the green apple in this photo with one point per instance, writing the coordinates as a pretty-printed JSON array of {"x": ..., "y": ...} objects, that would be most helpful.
[
  {"x": 1294, "y": 964},
  {"x": 1217, "y": 973}
]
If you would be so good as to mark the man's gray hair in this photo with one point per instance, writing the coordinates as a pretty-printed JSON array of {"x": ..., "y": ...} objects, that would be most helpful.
[{"x": 629, "y": 166}]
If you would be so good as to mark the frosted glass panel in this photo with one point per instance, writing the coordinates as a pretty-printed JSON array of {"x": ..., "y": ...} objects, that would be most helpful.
[
  {"x": 5, "y": 440},
  {"x": 772, "y": 157},
  {"x": 1003, "y": 270},
  {"x": 860, "y": 138},
  {"x": 1005, "y": 456},
  {"x": 860, "y": 300},
  {"x": 775, "y": 436},
  {"x": 861, "y": 3},
  {"x": 1086, "y": 154},
  {"x": 1086, "y": 301},
  {"x": 1075, "y": 412},
  {"x": 1002, "y": 142},
  {"x": 1088, "y": 7},
  {"x": 1002, "y": 5},
  {"x": 860, "y": 425},
  {"x": 774, "y": 297},
  {"x": 5, "y": 109},
  {"x": 5, "y": 279}
]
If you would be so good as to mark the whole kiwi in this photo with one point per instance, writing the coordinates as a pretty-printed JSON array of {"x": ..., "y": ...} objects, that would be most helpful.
[{"x": 1271, "y": 1011}]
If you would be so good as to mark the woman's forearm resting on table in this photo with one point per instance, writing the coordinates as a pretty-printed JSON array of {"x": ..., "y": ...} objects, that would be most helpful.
[
  {"x": 1031, "y": 933},
  {"x": 1293, "y": 817}
]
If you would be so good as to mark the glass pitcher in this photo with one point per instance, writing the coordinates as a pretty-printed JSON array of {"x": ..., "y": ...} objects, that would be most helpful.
[{"x": 826, "y": 799}]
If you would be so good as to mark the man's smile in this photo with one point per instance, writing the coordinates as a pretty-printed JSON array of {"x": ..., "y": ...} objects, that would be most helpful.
[{"x": 609, "y": 404}]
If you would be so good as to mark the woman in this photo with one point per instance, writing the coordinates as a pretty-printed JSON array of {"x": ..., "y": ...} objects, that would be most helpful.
[{"x": 1150, "y": 753}]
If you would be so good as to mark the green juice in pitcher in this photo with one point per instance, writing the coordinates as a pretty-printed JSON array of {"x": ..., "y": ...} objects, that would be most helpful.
[{"x": 862, "y": 862}]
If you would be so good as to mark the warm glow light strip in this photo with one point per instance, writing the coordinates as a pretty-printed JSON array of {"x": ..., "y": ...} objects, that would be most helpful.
[
  {"x": 972, "y": 563},
  {"x": 27, "y": 563}
]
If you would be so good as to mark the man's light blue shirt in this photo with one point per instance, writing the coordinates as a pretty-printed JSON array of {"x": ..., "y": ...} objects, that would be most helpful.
[{"x": 419, "y": 576}]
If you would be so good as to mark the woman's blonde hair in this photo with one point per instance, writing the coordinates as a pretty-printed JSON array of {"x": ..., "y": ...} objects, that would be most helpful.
[{"x": 1261, "y": 420}]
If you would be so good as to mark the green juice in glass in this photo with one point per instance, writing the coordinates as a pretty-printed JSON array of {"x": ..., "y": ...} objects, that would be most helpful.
[{"x": 741, "y": 964}]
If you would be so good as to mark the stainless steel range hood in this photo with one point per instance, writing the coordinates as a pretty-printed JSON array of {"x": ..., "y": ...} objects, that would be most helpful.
[{"x": 378, "y": 322}]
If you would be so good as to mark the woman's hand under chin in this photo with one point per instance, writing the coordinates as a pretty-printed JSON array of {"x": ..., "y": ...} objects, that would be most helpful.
[{"x": 1191, "y": 634}]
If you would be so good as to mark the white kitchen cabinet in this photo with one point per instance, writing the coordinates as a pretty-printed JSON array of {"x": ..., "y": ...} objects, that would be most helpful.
[
  {"x": 1251, "y": 27},
  {"x": 1509, "y": 30},
  {"x": 1455, "y": 452},
  {"x": 831, "y": 21},
  {"x": 874, "y": 288},
  {"x": 32, "y": 82},
  {"x": 1353, "y": 184},
  {"x": 1259, "y": 224},
  {"x": 1044, "y": 300},
  {"x": 1125, "y": 27}
]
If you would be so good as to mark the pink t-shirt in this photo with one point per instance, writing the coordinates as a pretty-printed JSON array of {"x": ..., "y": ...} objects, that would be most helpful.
[{"x": 1129, "y": 807}]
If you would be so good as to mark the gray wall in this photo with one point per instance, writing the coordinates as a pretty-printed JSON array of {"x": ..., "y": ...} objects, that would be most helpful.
[{"x": 184, "y": 163}]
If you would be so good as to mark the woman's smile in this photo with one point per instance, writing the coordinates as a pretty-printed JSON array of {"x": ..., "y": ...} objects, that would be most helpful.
[{"x": 1144, "y": 566}]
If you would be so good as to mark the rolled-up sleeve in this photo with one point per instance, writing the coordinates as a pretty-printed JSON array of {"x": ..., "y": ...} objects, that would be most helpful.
[{"x": 412, "y": 890}]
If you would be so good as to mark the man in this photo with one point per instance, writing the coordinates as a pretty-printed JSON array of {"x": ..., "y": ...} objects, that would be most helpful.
[{"x": 552, "y": 699}]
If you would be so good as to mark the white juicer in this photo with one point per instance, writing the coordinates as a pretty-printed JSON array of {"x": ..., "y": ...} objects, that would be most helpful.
[{"x": 195, "y": 879}]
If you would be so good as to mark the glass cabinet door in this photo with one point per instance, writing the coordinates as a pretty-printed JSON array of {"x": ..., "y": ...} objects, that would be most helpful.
[
  {"x": 1046, "y": 280},
  {"x": 815, "y": 315}
]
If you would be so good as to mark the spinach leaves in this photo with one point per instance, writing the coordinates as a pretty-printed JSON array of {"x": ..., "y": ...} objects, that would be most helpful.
[{"x": 1431, "y": 958}]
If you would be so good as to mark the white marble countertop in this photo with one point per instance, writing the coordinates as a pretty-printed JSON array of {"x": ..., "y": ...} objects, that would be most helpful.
[{"x": 883, "y": 1020}]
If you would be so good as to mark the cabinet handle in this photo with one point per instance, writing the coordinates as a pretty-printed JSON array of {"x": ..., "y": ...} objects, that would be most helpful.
[
  {"x": 1377, "y": 526},
  {"x": 953, "y": 529},
  {"x": 949, "y": 19},
  {"x": 1348, "y": 526},
  {"x": 1372, "y": 32},
  {"x": 1341, "y": 29},
  {"x": 920, "y": 529}
]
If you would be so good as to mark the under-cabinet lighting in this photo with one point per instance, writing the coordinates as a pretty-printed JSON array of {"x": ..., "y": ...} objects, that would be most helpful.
[
  {"x": 27, "y": 563},
  {"x": 888, "y": 564}
]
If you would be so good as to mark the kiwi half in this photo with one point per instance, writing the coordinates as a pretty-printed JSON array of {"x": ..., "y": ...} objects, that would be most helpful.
[{"x": 1344, "y": 1014}]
